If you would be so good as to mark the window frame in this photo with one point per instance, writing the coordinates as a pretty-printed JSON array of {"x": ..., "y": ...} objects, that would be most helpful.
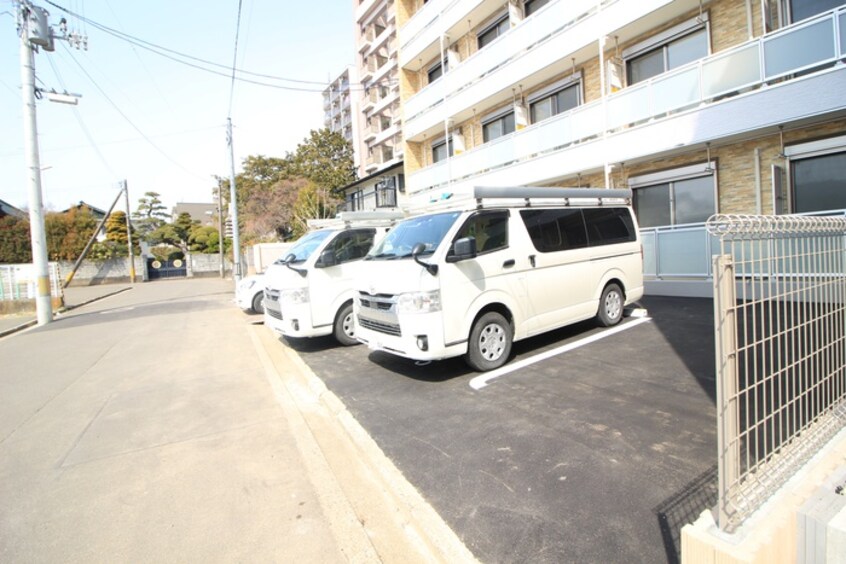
[
  {"x": 808, "y": 150},
  {"x": 494, "y": 23},
  {"x": 496, "y": 116},
  {"x": 574, "y": 80},
  {"x": 673, "y": 176},
  {"x": 437, "y": 143},
  {"x": 526, "y": 3},
  {"x": 437, "y": 65},
  {"x": 663, "y": 40}
]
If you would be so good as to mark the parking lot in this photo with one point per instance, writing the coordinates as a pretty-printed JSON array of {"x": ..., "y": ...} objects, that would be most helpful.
[{"x": 597, "y": 451}]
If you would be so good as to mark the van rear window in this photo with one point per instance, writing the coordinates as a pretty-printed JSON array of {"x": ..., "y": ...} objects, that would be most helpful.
[{"x": 574, "y": 228}]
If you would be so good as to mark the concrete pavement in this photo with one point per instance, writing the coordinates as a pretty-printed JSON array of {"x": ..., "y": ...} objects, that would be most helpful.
[
  {"x": 163, "y": 424},
  {"x": 75, "y": 296}
]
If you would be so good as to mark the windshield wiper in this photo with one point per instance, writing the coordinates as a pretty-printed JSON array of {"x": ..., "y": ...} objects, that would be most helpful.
[{"x": 380, "y": 256}]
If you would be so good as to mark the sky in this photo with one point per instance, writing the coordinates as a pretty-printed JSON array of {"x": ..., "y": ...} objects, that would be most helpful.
[{"x": 156, "y": 123}]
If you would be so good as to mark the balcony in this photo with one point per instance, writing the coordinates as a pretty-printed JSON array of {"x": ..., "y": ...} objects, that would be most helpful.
[
  {"x": 420, "y": 36},
  {"x": 378, "y": 199},
  {"x": 519, "y": 57},
  {"x": 733, "y": 94}
]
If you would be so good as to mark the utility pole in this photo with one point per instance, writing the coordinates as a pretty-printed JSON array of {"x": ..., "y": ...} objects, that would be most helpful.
[
  {"x": 129, "y": 235},
  {"x": 233, "y": 205},
  {"x": 31, "y": 37},
  {"x": 221, "y": 236}
]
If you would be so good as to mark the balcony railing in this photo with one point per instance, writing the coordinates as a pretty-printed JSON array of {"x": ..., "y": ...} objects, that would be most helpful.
[
  {"x": 560, "y": 16},
  {"x": 807, "y": 45},
  {"x": 379, "y": 198}
]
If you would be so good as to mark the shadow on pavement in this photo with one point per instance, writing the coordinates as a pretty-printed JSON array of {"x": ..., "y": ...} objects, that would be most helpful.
[{"x": 684, "y": 507}]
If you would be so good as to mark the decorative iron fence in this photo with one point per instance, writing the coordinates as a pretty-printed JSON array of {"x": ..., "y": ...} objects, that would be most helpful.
[{"x": 780, "y": 333}]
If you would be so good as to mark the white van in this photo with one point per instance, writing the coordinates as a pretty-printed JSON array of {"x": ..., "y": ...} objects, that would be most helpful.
[
  {"x": 309, "y": 292},
  {"x": 521, "y": 262}
]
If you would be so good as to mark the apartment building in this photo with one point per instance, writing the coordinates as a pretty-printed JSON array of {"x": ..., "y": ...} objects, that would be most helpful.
[
  {"x": 730, "y": 106},
  {"x": 380, "y": 146},
  {"x": 340, "y": 107}
]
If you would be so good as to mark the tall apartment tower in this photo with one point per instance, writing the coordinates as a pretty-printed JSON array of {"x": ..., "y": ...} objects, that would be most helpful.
[
  {"x": 721, "y": 106},
  {"x": 380, "y": 146},
  {"x": 340, "y": 108}
]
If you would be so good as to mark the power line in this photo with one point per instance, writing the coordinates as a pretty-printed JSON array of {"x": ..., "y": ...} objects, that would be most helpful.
[
  {"x": 162, "y": 52},
  {"x": 234, "y": 59},
  {"x": 129, "y": 121},
  {"x": 79, "y": 120}
]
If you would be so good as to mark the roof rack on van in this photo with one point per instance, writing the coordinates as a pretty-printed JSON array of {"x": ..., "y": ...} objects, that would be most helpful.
[
  {"x": 380, "y": 218},
  {"x": 539, "y": 196}
]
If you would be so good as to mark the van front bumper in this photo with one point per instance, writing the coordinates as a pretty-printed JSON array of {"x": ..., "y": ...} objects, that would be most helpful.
[{"x": 414, "y": 336}]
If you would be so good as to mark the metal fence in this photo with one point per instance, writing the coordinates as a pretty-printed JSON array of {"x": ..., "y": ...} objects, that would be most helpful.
[
  {"x": 780, "y": 324},
  {"x": 18, "y": 281}
]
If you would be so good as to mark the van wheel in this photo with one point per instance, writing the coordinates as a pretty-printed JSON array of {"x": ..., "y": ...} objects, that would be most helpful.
[
  {"x": 610, "y": 306},
  {"x": 344, "y": 330},
  {"x": 258, "y": 303},
  {"x": 490, "y": 342}
]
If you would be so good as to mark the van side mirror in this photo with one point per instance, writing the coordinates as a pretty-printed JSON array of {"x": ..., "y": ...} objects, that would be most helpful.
[
  {"x": 327, "y": 258},
  {"x": 416, "y": 251},
  {"x": 288, "y": 258},
  {"x": 463, "y": 249}
]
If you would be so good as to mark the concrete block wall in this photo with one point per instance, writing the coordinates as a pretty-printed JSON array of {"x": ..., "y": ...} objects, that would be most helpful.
[{"x": 112, "y": 271}]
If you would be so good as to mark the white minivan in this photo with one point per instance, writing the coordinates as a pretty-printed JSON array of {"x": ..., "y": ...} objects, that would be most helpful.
[
  {"x": 522, "y": 261},
  {"x": 309, "y": 292}
]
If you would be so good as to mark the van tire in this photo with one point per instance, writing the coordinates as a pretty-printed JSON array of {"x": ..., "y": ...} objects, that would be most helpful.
[
  {"x": 258, "y": 303},
  {"x": 610, "y": 306},
  {"x": 344, "y": 329},
  {"x": 490, "y": 342}
]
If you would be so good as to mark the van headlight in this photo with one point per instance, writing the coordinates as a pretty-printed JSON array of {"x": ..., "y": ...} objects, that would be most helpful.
[
  {"x": 419, "y": 302},
  {"x": 295, "y": 296}
]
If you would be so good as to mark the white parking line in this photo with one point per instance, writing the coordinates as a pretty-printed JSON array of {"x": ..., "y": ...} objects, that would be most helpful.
[{"x": 480, "y": 382}]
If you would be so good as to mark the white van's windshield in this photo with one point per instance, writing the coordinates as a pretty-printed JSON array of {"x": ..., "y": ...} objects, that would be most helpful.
[
  {"x": 305, "y": 246},
  {"x": 426, "y": 229}
]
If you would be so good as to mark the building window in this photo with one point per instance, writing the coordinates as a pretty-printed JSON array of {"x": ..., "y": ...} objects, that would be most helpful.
[
  {"x": 498, "y": 126},
  {"x": 441, "y": 150},
  {"x": 435, "y": 72},
  {"x": 803, "y": 9},
  {"x": 558, "y": 101},
  {"x": 675, "y": 197},
  {"x": 817, "y": 172},
  {"x": 532, "y": 6},
  {"x": 493, "y": 31},
  {"x": 671, "y": 49}
]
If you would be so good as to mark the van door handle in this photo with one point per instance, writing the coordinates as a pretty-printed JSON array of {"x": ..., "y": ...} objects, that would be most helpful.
[
  {"x": 509, "y": 263},
  {"x": 532, "y": 260}
]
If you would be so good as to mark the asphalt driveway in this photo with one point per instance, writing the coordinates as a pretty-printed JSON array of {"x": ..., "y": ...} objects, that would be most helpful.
[{"x": 599, "y": 453}]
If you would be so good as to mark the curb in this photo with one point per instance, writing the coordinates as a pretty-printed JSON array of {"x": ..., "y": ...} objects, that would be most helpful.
[
  {"x": 60, "y": 311},
  {"x": 391, "y": 505}
]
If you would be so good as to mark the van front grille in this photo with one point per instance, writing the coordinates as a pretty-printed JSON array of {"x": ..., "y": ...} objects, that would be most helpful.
[{"x": 387, "y": 328}]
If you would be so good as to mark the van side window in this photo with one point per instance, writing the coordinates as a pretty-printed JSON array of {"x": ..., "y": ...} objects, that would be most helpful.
[
  {"x": 607, "y": 226},
  {"x": 555, "y": 229},
  {"x": 352, "y": 244},
  {"x": 490, "y": 228}
]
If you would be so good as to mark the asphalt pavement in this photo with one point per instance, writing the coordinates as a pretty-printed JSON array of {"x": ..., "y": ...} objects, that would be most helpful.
[
  {"x": 163, "y": 424},
  {"x": 598, "y": 452}
]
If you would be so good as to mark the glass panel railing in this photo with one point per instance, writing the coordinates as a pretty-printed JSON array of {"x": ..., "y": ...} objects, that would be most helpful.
[
  {"x": 842, "y": 26},
  {"x": 676, "y": 91},
  {"x": 511, "y": 45},
  {"x": 422, "y": 20},
  {"x": 682, "y": 251},
  {"x": 650, "y": 258},
  {"x": 731, "y": 71},
  {"x": 799, "y": 48},
  {"x": 632, "y": 105}
]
